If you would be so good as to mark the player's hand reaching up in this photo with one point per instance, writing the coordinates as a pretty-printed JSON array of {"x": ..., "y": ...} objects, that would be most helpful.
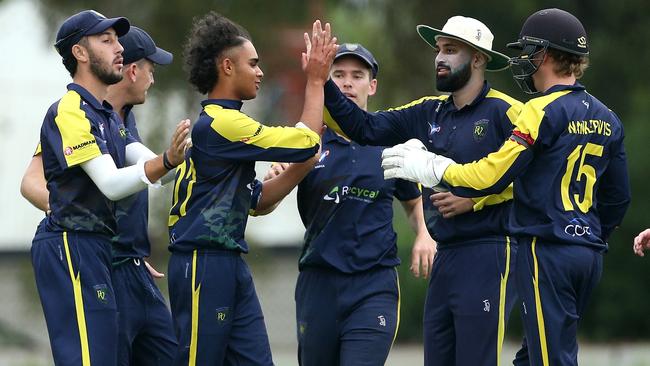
[
  {"x": 642, "y": 242},
  {"x": 180, "y": 140},
  {"x": 319, "y": 52}
]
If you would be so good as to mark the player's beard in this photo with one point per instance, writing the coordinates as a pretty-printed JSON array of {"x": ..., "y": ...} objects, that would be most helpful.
[
  {"x": 455, "y": 80},
  {"x": 103, "y": 71}
]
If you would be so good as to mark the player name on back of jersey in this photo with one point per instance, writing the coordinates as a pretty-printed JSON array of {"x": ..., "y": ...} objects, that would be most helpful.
[{"x": 592, "y": 126}]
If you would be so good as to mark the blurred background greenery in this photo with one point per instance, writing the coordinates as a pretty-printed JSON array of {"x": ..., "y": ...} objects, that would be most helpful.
[{"x": 618, "y": 35}]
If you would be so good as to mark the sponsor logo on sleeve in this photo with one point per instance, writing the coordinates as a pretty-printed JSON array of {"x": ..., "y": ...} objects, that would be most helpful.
[
  {"x": 322, "y": 158},
  {"x": 256, "y": 133},
  {"x": 69, "y": 150}
]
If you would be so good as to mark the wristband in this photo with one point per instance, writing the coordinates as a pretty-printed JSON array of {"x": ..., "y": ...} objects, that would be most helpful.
[{"x": 166, "y": 163}]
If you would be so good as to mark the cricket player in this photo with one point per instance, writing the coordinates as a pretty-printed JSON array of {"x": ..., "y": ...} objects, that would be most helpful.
[
  {"x": 216, "y": 312},
  {"x": 146, "y": 334},
  {"x": 571, "y": 189},
  {"x": 89, "y": 160},
  {"x": 471, "y": 291},
  {"x": 347, "y": 293}
]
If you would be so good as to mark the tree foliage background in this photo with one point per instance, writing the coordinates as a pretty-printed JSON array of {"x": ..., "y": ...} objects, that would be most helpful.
[{"x": 618, "y": 33}]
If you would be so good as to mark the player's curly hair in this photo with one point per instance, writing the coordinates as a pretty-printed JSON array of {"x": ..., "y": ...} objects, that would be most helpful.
[
  {"x": 568, "y": 64},
  {"x": 211, "y": 35}
]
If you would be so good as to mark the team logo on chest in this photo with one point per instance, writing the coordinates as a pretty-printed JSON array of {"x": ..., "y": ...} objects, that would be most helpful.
[
  {"x": 480, "y": 129},
  {"x": 122, "y": 131}
]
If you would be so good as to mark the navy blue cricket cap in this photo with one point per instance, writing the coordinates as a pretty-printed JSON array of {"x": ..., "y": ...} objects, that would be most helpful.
[
  {"x": 355, "y": 49},
  {"x": 86, "y": 23},
  {"x": 138, "y": 45}
]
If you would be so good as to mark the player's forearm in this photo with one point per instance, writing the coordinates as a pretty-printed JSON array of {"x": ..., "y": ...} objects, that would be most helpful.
[
  {"x": 489, "y": 175},
  {"x": 137, "y": 151},
  {"x": 35, "y": 192},
  {"x": 275, "y": 189},
  {"x": 33, "y": 186},
  {"x": 155, "y": 169},
  {"x": 312, "y": 112},
  {"x": 415, "y": 215},
  {"x": 116, "y": 183},
  {"x": 154, "y": 166}
]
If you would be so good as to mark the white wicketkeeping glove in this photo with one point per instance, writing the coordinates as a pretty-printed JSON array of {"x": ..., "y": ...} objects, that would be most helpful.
[{"x": 411, "y": 161}]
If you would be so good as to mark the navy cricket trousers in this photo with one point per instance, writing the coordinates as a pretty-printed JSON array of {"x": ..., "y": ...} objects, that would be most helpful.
[
  {"x": 217, "y": 315},
  {"x": 470, "y": 296},
  {"x": 346, "y": 319},
  {"x": 146, "y": 333},
  {"x": 73, "y": 278},
  {"x": 555, "y": 282}
]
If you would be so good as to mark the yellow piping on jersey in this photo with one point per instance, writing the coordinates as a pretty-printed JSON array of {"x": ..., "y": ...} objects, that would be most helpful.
[
  {"x": 78, "y": 304},
  {"x": 515, "y": 106},
  {"x": 235, "y": 126},
  {"x": 420, "y": 101},
  {"x": 533, "y": 113},
  {"x": 78, "y": 143},
  {"x": 493, "y": 93},
  {"x": 331, "y": 123}
]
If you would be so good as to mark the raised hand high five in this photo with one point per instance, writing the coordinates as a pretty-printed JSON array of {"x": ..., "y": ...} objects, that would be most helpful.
[{"x": 319, "y": 53}]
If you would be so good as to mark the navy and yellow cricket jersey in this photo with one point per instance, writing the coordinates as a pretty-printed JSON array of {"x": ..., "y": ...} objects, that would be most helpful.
[
  {"x": 465, "y": 135},
  {"x": 132, "y": 213},
  {"x": 214, "y": 186},
  {"x": 567, "y": 160},
  {"x": 78, "y": 128},
  {"x": 347, "y": 208}
]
